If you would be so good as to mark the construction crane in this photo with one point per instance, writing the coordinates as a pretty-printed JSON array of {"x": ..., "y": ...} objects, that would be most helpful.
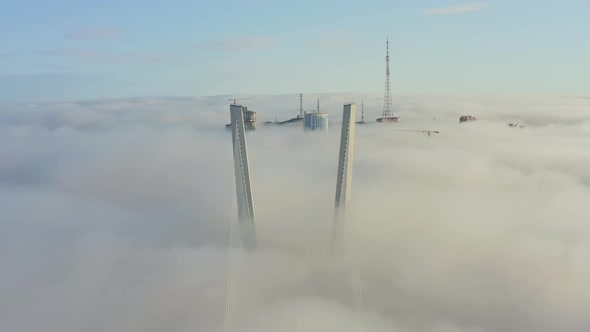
[
  {"x": 236, "y": 99},
  {"x": 421, "y": 131},
  {"x": 430, "y": 132}
]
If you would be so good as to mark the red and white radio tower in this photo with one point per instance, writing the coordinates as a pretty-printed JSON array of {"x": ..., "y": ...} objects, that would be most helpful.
[{"x": 387, "y": 111}]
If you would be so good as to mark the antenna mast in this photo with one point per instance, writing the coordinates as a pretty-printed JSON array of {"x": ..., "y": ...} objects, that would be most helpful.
[
  {"x": 362, "y": 111},
  {"x": 387, "y": 98},
  {"x": 301, "y": 105}
]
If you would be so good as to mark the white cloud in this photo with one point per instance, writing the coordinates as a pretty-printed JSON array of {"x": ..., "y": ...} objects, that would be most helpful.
[
  {"x": 459, "y": 9},
  {"x": 114, "y": 217}
]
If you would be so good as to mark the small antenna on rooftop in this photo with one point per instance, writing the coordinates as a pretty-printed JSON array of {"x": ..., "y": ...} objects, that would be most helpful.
[
  {"x": 362, "y": 110},
  {"x": 301, "y": 105}
]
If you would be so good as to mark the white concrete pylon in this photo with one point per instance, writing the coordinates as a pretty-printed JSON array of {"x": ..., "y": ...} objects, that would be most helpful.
[
  {"x": 242, "y": 174},
  {"x": 344, "y": 180}
]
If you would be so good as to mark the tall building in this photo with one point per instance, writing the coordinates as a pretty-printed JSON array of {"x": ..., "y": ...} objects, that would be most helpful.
[
  {"x": 317, "y": 121},
  {"x": 249, "y": 119}
]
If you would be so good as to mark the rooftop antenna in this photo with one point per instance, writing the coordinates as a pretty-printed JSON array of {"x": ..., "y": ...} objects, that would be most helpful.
[
  {"x": 301, "y": 105},
  {"x": 362, "y": 111},
  {"x": 318, "y": 105},
  {"x": 362, "y": 121}
]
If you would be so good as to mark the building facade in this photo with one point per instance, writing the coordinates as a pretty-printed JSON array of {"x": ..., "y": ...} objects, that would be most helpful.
[{"x": 316, "y": 121}]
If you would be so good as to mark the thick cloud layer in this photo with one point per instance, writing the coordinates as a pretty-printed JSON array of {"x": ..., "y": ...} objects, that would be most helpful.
[{"x": 116, "y": 217}]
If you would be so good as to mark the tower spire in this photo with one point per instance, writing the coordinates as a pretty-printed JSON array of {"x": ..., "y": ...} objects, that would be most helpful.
[
  {"x": 363, "y": 111},
  {"x": 301, "y": 105},
  {"x": 387, "y": 97}
]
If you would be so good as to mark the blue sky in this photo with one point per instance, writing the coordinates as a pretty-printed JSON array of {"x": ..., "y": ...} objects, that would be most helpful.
[{"x": 61, "y": 49}]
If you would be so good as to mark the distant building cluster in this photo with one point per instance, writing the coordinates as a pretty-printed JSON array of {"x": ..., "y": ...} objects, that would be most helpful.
[
  {"x": 317, "y": 120},
  {"x": 467, "y": 118}
]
